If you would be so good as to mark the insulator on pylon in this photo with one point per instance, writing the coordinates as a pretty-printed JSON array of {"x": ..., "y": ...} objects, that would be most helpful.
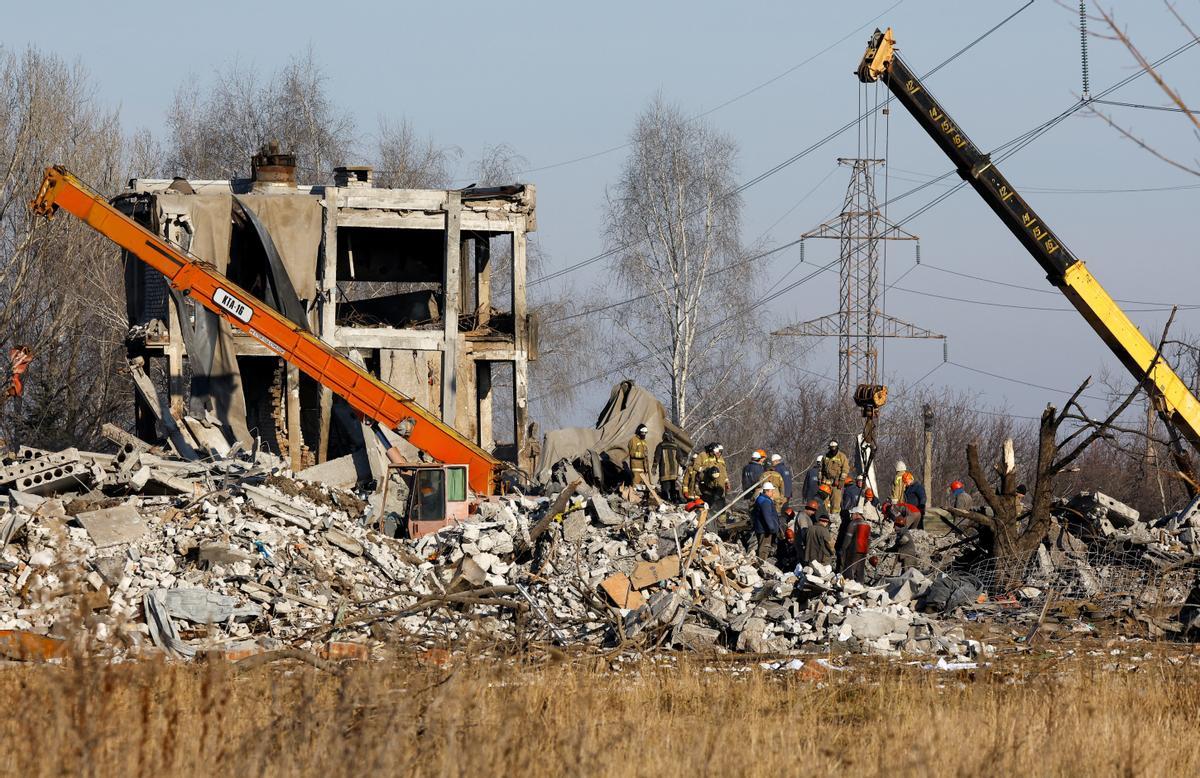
[
  {"x": 917, "y": 246},
  {"x": 1083, "y": 51}
]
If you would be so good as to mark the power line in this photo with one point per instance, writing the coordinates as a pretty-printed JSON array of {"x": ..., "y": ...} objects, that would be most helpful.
[
  {"x": 1017, "y": 144},
  {"x": 1030, "y": 384},
  {"x": 730, "y": 101},
  {"x": 1015, "y": 306},
  {"x": 703, "y": 331},
  {"x": 761, "y": 255},
  {"x": 726, "y": 269},
  {"x": 1042, "y": 291},
  {"x": 1172, "y": 108},
  {"x": 1075, "y": 191},
  {"x": 1021, "y": 141},
  {"x": 770, "y": 171}
]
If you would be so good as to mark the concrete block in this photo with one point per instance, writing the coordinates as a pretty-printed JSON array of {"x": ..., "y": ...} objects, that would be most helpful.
[
  {"x": 603, "y": 512},
  {"x": 113, "y": 526},
  {"x": 870, "y": 625}
]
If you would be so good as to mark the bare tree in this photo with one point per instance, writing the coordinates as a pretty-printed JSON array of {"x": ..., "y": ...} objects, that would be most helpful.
[
  {"x": 498, "y": 165},
  {"x": 673, "y": 220},
  {"x": 214, "y": 133},
  {"x": 407, "y": 161},
  {"x": 60, "y": 283},
  {"x": 1117, "y": 32}
]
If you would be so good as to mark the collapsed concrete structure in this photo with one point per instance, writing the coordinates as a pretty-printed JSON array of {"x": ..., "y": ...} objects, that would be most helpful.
[
  {"x": 425, "y": 288},
  {"x": 140, "y": 551}
]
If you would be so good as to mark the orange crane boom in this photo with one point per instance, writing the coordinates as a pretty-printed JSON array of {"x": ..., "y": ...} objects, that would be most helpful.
[{"x": 365, "y": 393}]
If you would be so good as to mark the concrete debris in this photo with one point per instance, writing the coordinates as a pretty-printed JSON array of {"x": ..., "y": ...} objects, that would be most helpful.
[
  {"x": 233, "y": 556},
  {"x": 113, "y": 526}
]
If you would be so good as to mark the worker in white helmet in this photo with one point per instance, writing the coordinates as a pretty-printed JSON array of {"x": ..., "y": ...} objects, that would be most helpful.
[
  {"x": 785, "y": 471},
  {"x": 812, "y": 480},
  {"x": 764, "y": 520},
  {"x": 752, "y": 472},
  {"x": 898, "y": 482}
]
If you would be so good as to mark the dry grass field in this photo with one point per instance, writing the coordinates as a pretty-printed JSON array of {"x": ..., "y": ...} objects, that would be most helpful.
[{"x": 1093, "y": 715}]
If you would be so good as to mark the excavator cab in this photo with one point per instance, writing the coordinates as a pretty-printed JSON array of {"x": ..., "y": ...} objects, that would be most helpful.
[{"x": 430, "y": 496}]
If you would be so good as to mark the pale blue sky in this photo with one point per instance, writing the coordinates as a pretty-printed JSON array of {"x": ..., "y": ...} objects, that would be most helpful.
[{"x": 559, "y": 81}]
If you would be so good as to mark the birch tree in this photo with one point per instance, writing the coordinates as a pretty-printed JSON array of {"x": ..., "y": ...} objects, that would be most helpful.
[
  {"x": 407, "y": 161},
  {"x": 673, "y": 220}
]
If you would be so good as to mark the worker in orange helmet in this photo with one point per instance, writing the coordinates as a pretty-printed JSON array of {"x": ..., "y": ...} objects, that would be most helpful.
[
  {"x": 823, "y": 493},
  {"x": 914, "y": 494}
]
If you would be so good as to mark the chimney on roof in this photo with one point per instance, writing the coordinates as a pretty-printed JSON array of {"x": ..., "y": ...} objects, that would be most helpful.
[
  {"x": 354, "y": 176},
  {"x": 273, "y": 169}
]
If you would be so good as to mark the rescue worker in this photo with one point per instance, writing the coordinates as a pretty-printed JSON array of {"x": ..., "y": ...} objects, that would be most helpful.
[
  {"x": 870, "y": 506},
  {"x": 704, "y": 460},
  {"x": 834, "y": 470},
  {"x": 812, "y": 479},
  {"x": 843, "y": 527},
  {"x": 904, "y": 546},
  {"x": 764, "y": 520},
  {"x": 898, "y": 481},
  {"x": 753, "y": 471},
  {"x": 638, "y": 462},
  {"x": 790, "y": 546},
  {"x": 712, "y": 489},
  {"x": 805, "y": 521},
  {"x": 689, "y": 477},
  {"x": 1022, "y": 492},
  {"x": 786, "y": 472},
  {"x": 960, "y": 498},
  {"x": 719, "y": 455},
  {"x": 823, "y": 492},
  {"x": 914, "y": 494},
  {"x": 772, "y": 476},
  {"x": 855, "y": 547},
  {"x": 851, "y": 494},
  {"x": 666, "y": 461},
  {"x": 818, "y": 545}
]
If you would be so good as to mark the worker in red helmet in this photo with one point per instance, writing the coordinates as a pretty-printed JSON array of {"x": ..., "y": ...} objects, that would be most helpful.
[{"x": 960, "y": 498}]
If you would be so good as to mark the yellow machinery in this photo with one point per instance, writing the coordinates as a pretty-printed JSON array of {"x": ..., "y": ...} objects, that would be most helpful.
[{"x": 1172, "y": 398}]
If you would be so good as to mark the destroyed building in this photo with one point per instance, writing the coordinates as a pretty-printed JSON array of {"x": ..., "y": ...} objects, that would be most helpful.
[{"x": 424, "y": 288}]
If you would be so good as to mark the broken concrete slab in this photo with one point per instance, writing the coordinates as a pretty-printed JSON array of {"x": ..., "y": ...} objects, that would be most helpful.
[
  {"x": 870, "y": 625},
  {"x": 574, "y": 526},
  {"x": 278, "y": 506},
  {"x": 345, "y": 542},
  {"x": 602, "y": 511},
  {"x": 620, "y": 590},
  {"x": 649, "y": 573},
  {"x": 345, "y": 471},
  {"x": 200, "y": 606},
  {"x": 113, "y": 526}
]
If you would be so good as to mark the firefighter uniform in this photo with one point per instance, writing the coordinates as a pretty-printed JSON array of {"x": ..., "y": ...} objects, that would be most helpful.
[
  {"x": 771, "y": 475},
  {"x": 834, "y": 469}
]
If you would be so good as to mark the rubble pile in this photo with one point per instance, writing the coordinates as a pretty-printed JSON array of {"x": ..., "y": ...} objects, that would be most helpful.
[
  {"x": 658, "y": 583},
  {"x": 235, "y": 555},
  {"x": 1101, "y": 544}
]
